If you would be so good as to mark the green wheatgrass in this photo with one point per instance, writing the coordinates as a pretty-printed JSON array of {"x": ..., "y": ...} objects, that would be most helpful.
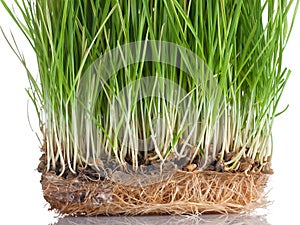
[{"x": 242, "y": 47}]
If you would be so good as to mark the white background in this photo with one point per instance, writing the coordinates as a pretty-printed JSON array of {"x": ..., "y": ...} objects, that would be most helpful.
[{"x": 21, "y": 199}]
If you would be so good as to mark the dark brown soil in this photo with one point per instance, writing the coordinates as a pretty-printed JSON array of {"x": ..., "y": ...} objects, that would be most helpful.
[{"x": 150, "y": 190}]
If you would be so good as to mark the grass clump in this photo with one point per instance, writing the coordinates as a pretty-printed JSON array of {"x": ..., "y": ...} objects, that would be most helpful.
[{"x": 233, "y": 110}]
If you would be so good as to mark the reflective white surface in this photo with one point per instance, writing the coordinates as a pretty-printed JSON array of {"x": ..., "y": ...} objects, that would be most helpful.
[
  {"x": 168, "y": 220},
  {"x": 21, "y": 199}
]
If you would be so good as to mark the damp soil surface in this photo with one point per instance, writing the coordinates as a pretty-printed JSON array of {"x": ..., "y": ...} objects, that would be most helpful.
[{"x": 152, "y": 189}]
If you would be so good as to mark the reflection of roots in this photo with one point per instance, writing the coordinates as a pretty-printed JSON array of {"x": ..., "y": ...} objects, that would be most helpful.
[
  {"x": 182, "y": 193},
  {"x": 211, "y": 219}
]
